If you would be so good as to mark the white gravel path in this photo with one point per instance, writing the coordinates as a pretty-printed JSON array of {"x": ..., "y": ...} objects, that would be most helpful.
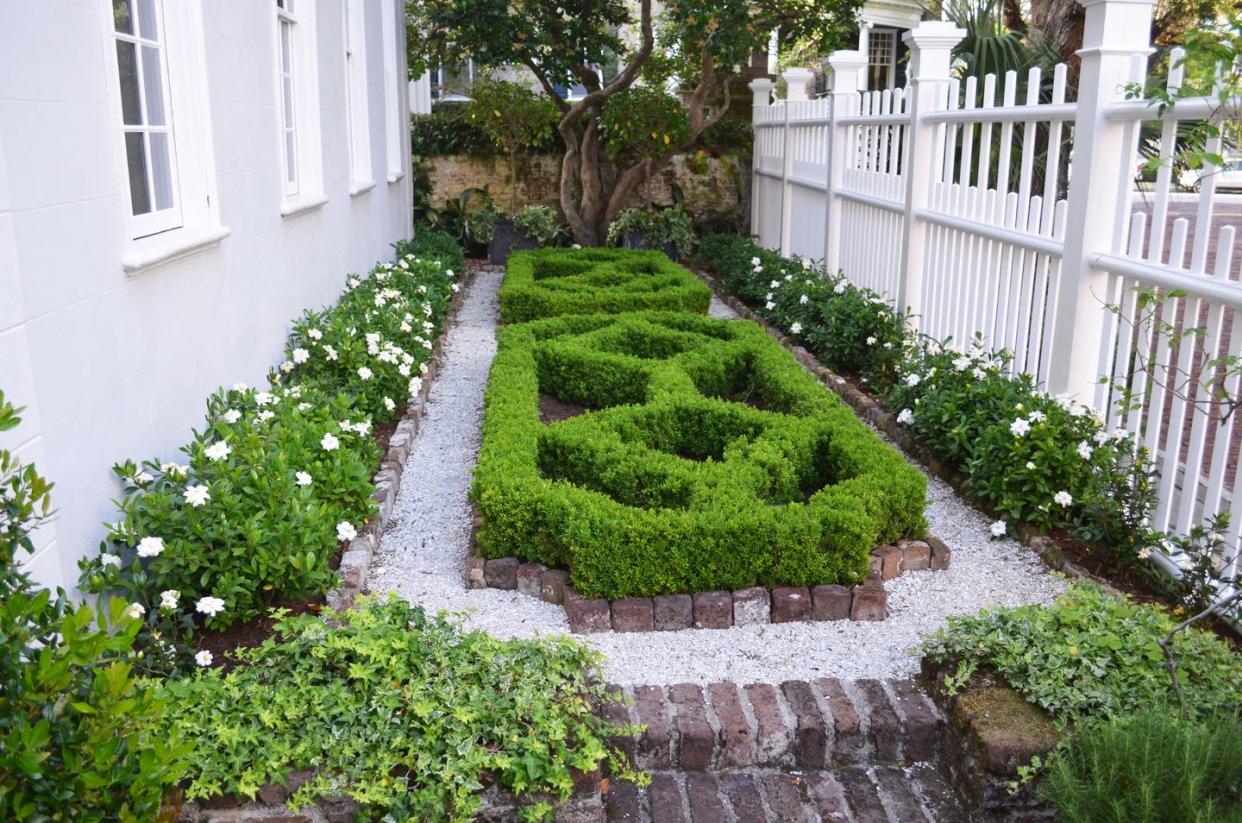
[{"x": 422, "y": 555}]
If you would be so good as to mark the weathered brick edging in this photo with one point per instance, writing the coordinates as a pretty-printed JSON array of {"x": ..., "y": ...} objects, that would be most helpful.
[{"x": 714, "y": 609}]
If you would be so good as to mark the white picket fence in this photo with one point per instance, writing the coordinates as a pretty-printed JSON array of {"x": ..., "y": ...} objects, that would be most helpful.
[{"x": 1008, "y": 210}]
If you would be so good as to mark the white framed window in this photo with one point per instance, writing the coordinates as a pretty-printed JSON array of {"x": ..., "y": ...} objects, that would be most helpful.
[
  {"x": 356, "y": 110},
  {"x": 297, "y": 98},
  {"x": 881, "y": 59},
  {"x": 155, "y": 75},
  {"x": 394, "y": 68},
  {"x": 146, "y": 115}
]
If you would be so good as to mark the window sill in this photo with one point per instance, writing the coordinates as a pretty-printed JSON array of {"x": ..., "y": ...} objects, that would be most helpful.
[
  {"x": 301, "y": 204},
  {"x": 358, "y": 187},
  {"x": 150, "y": 252},
  {"x": 395, "y": 176}
]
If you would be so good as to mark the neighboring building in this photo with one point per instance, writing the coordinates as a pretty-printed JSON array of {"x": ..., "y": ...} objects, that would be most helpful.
[
  {"x": 178, "y": 180},
  {"x": 883, "y": 24}
]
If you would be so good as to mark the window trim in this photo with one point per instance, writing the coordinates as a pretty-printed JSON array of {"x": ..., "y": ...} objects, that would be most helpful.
[
  {"x": 394, "y": 142},
  {"x": 357, "y": 108},
  {"x": 287, "y": 100},
  {"x": 308, "y": 151}
]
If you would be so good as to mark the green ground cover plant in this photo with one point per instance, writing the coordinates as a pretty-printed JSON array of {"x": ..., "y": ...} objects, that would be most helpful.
[
  {"x": 707, "y": 459},
  {"x": 405, "y": 713},
  {"x": 552, "y": 282},
  {"x": 1092, "y": 654}
]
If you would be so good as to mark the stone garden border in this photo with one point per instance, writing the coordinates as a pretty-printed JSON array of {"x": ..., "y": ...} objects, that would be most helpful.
[{"x": 714, "y": 609}]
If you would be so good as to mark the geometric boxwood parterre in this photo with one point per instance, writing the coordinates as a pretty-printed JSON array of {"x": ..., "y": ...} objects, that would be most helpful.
[
  {"x": 553, "y": 282},
  {"x": 705, "y": 458}
]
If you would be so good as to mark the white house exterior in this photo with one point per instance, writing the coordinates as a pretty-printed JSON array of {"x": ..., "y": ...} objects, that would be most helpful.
[{"x": 178, "y": 180}]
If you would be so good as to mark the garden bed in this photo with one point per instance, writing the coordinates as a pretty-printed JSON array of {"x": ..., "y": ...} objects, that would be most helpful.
[
  {"x": 671, "y": 484},
  {"x": 554, "y": 282}
]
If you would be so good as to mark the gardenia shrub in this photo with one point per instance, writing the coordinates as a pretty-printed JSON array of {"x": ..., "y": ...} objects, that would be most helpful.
[
  {"x": 849, "y": 329},
  {"x": 407, "y": 714},
  {"x": 80, "y": 736},
  {"x": 710, "y": 460},
  {"x": 550, "y": 282},
  {"x": 1092, "y": 654},
  {"x": 656, "y": 227}
]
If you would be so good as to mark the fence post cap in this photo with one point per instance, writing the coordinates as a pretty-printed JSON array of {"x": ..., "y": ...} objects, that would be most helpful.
[
  {"x": 797, "y": 73},
  {"x": 761, "y": 84},
  {"x": 1089, "y": 3},
  {"x": 935, "y": 34},
  {"x": 847, "y": 59}
]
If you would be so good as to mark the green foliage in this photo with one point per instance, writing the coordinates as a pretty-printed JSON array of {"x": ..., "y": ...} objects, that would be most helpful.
[
  {"x": 407, "y": 714},
  {"x": 450, "y": 129},
  {"x": 643, "y": 122},
  {"x": 1149, "y": 767},
  {"x": 657, "y": 227},
  {"x": 540, "y": 223},
  {"x": 551, "y": 282},
  {"x": 711, "y": 460},
  {"x": 849, "y": 329},
  {"x": 514, "y": 118},
  {"x": 1091, "y": 654},
  {"x": 277, "y": 479},
  {"x": 78, "y": 736}
]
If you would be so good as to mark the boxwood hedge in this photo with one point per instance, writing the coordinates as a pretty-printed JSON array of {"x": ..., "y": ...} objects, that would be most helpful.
[
  {"x": 553, "y": 282},
  {"x": 705, "y": 458}
]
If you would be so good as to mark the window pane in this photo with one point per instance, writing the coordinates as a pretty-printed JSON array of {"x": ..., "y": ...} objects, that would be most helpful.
[
  {"x": 291, "y": 158},
  {"x": 127, "y": 65},
  {"x": 146, "y": 19},
  {"x": 122, "y": 17},
  {"x": 135, "y": 155},
  {"x": 286, "y": 50},
  {"x": 152, "y": 80},
  {"x": 288, "y": 102},
  {"x": 161, "y": 171}
]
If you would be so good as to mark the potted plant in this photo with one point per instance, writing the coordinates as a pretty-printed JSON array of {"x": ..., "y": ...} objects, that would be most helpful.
[
  {"x": 530, "y": 228},
  {"x": 671, "y": 230}
]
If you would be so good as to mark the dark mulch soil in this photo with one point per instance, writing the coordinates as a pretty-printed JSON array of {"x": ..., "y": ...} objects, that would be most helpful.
[
  {"x": 380, "y": 434},
  {"x": 249, "y": 634},
  {"x": 552, "y": 410}
]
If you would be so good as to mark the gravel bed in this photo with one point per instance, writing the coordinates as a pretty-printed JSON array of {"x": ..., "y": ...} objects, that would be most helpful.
[{"x": 422, "y": 556}]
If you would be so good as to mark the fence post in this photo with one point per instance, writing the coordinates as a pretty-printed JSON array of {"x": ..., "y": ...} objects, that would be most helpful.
[
  {"x": 1116, "y": 32},
  {"x": 931, "y": 46},
  {"x": 761, "y": 92},
  {"x": 795, "y": 92},
  {"x": 846, "y": 66}
]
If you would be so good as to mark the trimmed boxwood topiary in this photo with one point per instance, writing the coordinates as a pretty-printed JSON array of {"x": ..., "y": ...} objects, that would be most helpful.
[
  {"x": 553, "y": 282},
  {"x": 705, "y": 458}
]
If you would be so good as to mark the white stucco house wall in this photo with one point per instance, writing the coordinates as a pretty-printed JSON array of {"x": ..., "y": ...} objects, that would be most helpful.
[{"x": 178, "y": 180}]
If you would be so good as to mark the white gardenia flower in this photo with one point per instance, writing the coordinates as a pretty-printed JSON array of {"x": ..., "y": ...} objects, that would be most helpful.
[
  {"x": 839, "y": 288},
  {"x": 1019, "y": 427},
  {"x": 109, "y": 559},
  {"x": 1037, "y": 416},
  {"x": 1063, "y": 499},
  {"x": 1144, "y": 553},
  {"x": 422, "y": 367},
  {"x": 304, "y": 478},
  {"x": 756, "y": 262},
  {"x": 210, "y": 606},
  {"x": 300, "y": 355},
  {"x": 330, "y": 351},
  {"x": 203, "y": 658},
  {"x": 978, "y": 373},
  {"x": 389, "y": 404},
  {"x": 906, "y": 417},
  {"x": 135, "y": 611},
  {"x": 806, "y": 263},
  {"x": 404, "y": 369},
  {"x": 795, "y": 328},
  {"x": 999, "y": 528},
  {"x": 150, "y": 546},
  {"x": 329, "y": 442},
  {"x": 455, "y": 287},
  {"x": 871, "y": 341},
  {"x": 804, "y": 299},
  {"x": 769, "y": 305},
  {"x": 304, "y": 406},
  {"x": 416, "y": 385},
  {"x": 364, "y": 373},
  {"x": 1084, "y": 450},
  {"x": 1030, "y": 465},
  {"x": 197, "y": 495},
  {"x": 775, "y": 284},
  {"x": 314, "y": 334},
  {"x": 240, "y": 387},
  {"x": 231, "y": 416},
  {"x": 345, "y": 531},
  {"x": 1100, "y": 437},
  {"x": 266, "y": 415},
  {"x": 962, "y": 363},
  {"x": 912, "y": 379},
  {"x": 174, "y": 469},
  {"x": 286, "y": 366},
  {"x": 218, "y": 451},
  {"x": 406, "y": 327},
  {"x": 169, "y": 598},
  {"x": 263, "y": 398},
  {"x": 789, "y": 278}
]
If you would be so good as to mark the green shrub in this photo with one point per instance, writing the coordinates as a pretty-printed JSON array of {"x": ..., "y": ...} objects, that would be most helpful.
[
  {"x": 79, "y": 736},
  {"x": 641, "y": 123},
  {"x": 849, "y": 329},
  {"x": 711, "y": 461},
  {"x": 449, "y": 129},
  {"x": 540, "y": 223},
  {"x": 551, "y": 282},
  {"x": 1092, "y": 654},
  {"x": 657, "y": 226},
  {"x": 1149, "y": 767},
  {"x": 405, "y": 713}
]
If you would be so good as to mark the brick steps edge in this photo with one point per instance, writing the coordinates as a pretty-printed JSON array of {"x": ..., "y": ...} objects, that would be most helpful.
[{"x": 714, "y": 609}]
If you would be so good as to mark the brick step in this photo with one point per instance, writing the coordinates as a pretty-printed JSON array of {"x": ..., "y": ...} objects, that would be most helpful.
[
  {"x": 796, "y": 724},
  {"x": 857, "y": 794}
]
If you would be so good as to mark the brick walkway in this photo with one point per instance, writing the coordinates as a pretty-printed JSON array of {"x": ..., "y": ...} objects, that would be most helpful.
[{"x": 825, "y": 750}]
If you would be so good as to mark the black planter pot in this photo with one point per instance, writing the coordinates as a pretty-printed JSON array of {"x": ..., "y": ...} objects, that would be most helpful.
[
  {"x": 506, "y": 240},
  {"x": 638, "y": 240}
]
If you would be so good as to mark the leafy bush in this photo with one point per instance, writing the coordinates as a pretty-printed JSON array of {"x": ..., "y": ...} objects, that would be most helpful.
[
  {"x": 550, "y": 282},
  {"x": 711, "y": 461},
  {"x": 657, "y": 227},
  {"x": 540, "y": 223},
  {"x": 449, "y": 129},
  {"x": 79, "y": 736},
  {"x": 1090, "y": 654},
  {"x": 849, "y": 329},
  {"x": 410, "y": 715},
  {"x": 643, "y": 122},
  {"x": 514, "y": 118},
  {"x": 278, "y": 479},
  {"x": 1149, "y": 767}
]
